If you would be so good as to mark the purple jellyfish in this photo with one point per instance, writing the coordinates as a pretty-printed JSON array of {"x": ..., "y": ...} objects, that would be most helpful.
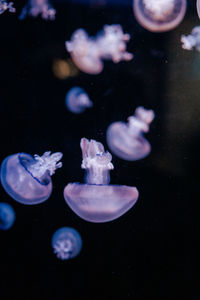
[
  {"x": 4, "y": 5},
  {"x": 159, "y": 15},
  {"x": 97, "y": 201},
  {"x": 36, "y": 7},
  {"x": 77, "y": 100},
  {"x": 126, "y": 140},
  {"x": 193, "y": 40},
  {"x": 88, "y": 53},
  {"x": 66, "y": 243},
  {"x": 27, "y": 179}
]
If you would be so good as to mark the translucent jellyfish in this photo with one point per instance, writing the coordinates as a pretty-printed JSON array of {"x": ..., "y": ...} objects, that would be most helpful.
[
  {"x": 7, "y": 216},
  {"x": 27, "y": 179},
  {"x": 66, "y": 243},
  {"x": 96, "y": 200},
  {"x": 127, "y": 140},
  {"x": 36, "y": 7},
  {"x": 193, "y": 40},
  {"x": 4, "y": 5},
  {"x": 159, "y": 15},
  {"x": 198, "y": 8},
  {"x": 77, "y": 100},
  {"x": 88, "y": 52}
]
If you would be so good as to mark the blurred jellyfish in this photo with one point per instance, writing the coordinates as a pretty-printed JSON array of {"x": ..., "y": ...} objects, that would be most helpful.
[
  {"x": 126, "y": 140},
  {"x": 27, "y": 179},
  {"x": 36, "y": 7},
  {"x": 198, "y": 7},
  {"x": 7, "y": 216},
  {"x": 96, "y": 200},
  {"x": 77, "y": 100},
  {"x": 66, "y": 243},
  {"x": 4, "y": 5},
  {"x": 192, "y": 40},
  {"x": 159, "y": 15},
  {"x": 88, "y": 53}
]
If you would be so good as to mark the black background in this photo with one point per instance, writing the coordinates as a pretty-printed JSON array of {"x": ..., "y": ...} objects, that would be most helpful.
[{"x": 151, "y": 252}]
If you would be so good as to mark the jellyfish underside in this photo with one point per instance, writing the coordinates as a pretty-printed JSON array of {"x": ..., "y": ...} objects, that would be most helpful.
[
  {"x": 159, "y": 15},
  {"x": 25, "y": 180},
  {"x": 77, "y": 100},
  {"x": 192, "y": 40},
  {"x": 67, "y": 243},
  {"x": 37, "y": 7},
  {"x": 7, "y": 216},
  {"x": 96, "y": 200}
]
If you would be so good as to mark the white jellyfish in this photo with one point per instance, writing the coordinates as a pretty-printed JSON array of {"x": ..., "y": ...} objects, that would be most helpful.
[
  {"x": 126, "y": 140},
  {"x": 97, "y": 200},
  {"x": 88, "y": 52},
  {"x": 4, "y": 5},
  {"x": 192, "y": 40},
  {"x": 159, "y": 15},
  {"x": 77, "y": 100},
  {"x": 38, "y": 7}
]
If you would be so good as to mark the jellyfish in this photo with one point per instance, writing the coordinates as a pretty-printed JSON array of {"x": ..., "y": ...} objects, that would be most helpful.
[
  {"x": 97, "y": 201},
  {"x": 77, "y": 100},
  {"x": 66, "y": 243},
  {"x": 198, "y": 8},
  {"x": 193, "y": 40},
  {"x": 126, "y": 140},
  {"x": 27, "y": 179},
  {"x": 7, "y": 216},
  {"x": 159, "y": 15},
  {"x": 88, "y": 52},
  {"x": 36, "y": 7},
  {"x": 4, "y": 5}
]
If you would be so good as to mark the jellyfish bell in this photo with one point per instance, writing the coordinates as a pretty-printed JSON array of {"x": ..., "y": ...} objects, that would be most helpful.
[
  {"x": 84, "y": 52},
  {"x": 66, "y": 243},
  {"x": 27, "y": 179},
  {"x": 159, "y": 15},
  {"x": 77, "y": 100},
  {"x": 7, "y": 216},
  {"x": 126, "y": 140},
  {"x": 97, "y": 201}
]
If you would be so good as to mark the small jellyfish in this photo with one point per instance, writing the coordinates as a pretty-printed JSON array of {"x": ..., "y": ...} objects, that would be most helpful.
[
  {"x": 191, "y": 41},
  {"x": 4, "y": 5},
  {"x": 77, "y": 100},
  {"x": 27, "y": 179},
  {"x": 36, "y": 7},
  {"x": 97, "y": 201},
  {"x": 126, "y": 140},
  {"x": 159, "y": 15},
  {"x": 7, "y": 216},
  {"x": 66, "y": 243},
  {"x": 88, "y": 52}
]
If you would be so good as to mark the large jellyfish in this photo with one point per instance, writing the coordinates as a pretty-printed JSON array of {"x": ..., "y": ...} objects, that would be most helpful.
[
  {"x": 88, "y": 53},
  {"x": 96, "y": 200},
  {"x": 159, "y": 15},
  {"x": 36, "y": 7},
  {"x": 27, "y": 179},
  {"x": 127, "y": 140},
  {"x": 4, "y": 5},
  {"x": 77, "y": 100},
  {"x": 191, "y": 41},
  {"x": 7, "y": 216},
  {"x": 66, "y": 243}
]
